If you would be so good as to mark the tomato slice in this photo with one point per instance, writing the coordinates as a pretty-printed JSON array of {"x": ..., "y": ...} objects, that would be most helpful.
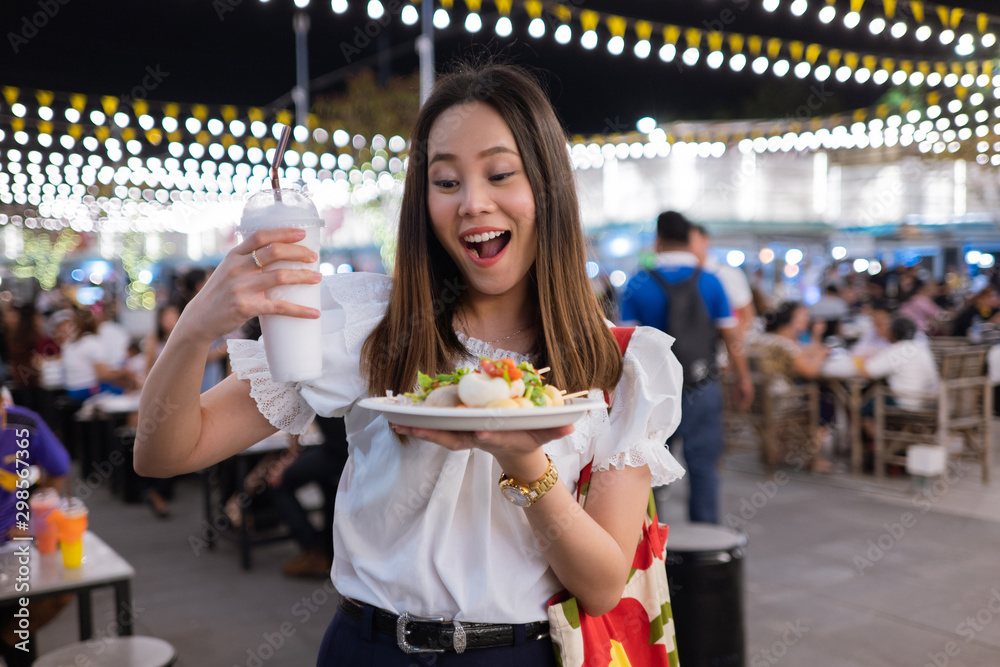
[
  {"x": 490, "y": 368},
  {"x": 513, "y": 372}
]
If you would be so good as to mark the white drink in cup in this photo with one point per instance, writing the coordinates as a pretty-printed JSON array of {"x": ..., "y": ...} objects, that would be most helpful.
[{"x": 292, "y": 344}]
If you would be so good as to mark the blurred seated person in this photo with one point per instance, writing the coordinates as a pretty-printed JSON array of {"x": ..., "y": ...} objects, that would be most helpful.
[
  {"x": 85, "y": 368},
  {"x": 44, "y": 450},
  {"x": 322, "y": 464},
  {"x": 907, "y": 366},
  {"x": 875, "y": 337},
  {"x": 921, "y": 309},
  {"x": 981, "y": 307},
  {"x": 780, "y": 352},
  {"x": 831, "y": 309}
]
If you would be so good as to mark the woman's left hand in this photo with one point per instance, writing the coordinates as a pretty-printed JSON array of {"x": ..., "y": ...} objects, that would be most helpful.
[{"x": 518, "y": 452}]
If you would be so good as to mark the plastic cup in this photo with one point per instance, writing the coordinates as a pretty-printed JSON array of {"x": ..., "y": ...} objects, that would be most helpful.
[
  {"x": 45, "y": 514},
  {"x": 72, "y": 526},
  {"x": 292, "y": 344}
]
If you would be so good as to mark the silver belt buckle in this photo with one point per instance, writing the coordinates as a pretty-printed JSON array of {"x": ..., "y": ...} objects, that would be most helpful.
[{"x": 402, "y": 631}]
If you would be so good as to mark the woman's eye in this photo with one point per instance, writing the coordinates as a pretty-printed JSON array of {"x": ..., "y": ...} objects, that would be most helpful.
[
  {"x": 501, "y": 176},
  {"x": 445, "y": 183}
]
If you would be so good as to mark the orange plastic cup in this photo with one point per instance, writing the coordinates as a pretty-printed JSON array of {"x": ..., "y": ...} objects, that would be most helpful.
[
  {"x": 45, "y": 515},
  {"x": 72, "y": 525}
]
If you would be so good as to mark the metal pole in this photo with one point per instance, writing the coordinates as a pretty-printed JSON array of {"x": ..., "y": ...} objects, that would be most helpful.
[
  {"x": 425, "y": 49},
  {"x": 300, "y": 95}
]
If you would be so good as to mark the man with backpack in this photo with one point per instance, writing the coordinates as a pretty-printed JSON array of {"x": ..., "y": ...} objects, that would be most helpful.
[{"x": 678, "y": 297}]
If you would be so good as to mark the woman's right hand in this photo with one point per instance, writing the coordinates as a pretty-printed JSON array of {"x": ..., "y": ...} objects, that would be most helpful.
[{"x": 236, "y": 290}]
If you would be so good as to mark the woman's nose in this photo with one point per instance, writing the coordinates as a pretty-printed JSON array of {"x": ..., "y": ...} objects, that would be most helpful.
[{"x": 476, "y": 200}]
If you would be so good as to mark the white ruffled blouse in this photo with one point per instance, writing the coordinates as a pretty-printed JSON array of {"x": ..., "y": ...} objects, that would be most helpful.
[{"x": 423, "y": 529}]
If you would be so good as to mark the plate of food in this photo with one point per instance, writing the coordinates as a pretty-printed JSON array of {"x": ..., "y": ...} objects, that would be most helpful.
[{"x": 499, "y": 396}]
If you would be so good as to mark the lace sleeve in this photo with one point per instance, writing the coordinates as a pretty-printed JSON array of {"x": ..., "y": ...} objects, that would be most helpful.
[
  {"x": 646, "y": 410},
  {"x": 279, "y": 402}
]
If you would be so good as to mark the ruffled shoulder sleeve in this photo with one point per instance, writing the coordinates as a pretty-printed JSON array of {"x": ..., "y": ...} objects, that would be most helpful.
[
  {"x": 645, "y": 410},
  {"x": 352, "y": 305}
]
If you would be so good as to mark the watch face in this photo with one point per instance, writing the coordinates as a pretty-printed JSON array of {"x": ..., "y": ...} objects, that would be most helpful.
[{"x": 515, "y": 495}]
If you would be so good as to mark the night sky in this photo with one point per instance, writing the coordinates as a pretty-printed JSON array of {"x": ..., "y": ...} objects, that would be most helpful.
[{"x": 242, "y": 52}]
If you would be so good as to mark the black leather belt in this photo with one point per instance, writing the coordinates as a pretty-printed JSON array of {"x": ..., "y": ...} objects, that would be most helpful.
[{"x": 418, "y": 634}]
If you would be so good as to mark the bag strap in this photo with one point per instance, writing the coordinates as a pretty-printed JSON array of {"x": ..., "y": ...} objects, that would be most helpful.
[{"x": 623, "y": 335}]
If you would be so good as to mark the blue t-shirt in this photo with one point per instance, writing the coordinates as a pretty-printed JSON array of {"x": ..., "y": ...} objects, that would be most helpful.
[
  {"x": 43, "y": 449},
  {"x": 646, "y": 303}
]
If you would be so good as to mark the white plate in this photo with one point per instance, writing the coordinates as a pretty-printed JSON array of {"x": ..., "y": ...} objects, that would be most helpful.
[{"x": 481, "y": 419}]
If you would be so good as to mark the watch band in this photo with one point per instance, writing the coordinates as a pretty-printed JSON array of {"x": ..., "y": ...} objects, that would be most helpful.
[{"x": 525, "y": 495}]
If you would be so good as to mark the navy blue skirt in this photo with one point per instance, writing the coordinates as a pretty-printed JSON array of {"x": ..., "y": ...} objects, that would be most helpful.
[{"x": 348, "y": 644}]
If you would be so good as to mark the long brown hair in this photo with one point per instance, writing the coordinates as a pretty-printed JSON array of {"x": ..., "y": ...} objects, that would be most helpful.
[{"x": 417, "y": 332}]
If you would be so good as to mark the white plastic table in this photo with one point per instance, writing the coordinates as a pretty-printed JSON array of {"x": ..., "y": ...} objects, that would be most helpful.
[
  {"x": 102, "y": 566},
  {"x": 113, "y": 652}
]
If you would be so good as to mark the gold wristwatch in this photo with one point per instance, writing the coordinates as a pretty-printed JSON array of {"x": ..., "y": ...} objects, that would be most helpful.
[{"x": 526, "y": 495}]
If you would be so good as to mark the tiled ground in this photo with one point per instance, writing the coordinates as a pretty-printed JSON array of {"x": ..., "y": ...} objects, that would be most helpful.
[{"x": 803, "y": 566}]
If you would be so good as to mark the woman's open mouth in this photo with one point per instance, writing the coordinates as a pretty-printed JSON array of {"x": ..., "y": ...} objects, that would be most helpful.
[{"x": 486, "y": 246}]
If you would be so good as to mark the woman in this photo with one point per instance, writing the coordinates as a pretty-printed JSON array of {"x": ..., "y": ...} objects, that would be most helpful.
[
  {"x": 421, "y": 527},
  {"x": 782, "y": 354},
  {"x": 84, "y": 358}
]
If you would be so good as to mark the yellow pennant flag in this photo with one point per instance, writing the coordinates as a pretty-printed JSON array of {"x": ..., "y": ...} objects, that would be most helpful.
[
  {"x": 933, "y": 98},
  {"x": 589, "y": 19},
  {"x": 736, "y": 43},
  {"x": 447, "y": 4},
  {"x": 983, "y": 22},
  {"x": 227, "y": 141},
  {"x": 102, "y": 133},
  {"x": 44, "y": 97},
  {"x": 10, "y": 94},
  {"x": 45, "y": 127},
  {"x": 943, "y": 15},
  {"x": 851, "y": 60},
  {"x": 906, "y": 66},
  {"x": 882, "y": 110},
  {"x": 924, "y": 67},
  {"x": 109, "y": 103},
  {"x": 643, "y": 29},
  {"x": 833, "y": 57},
  {"x": 172, "y": 110},
  {"x": 229, "y": 113},
  {"x": 671, "y": 33},
  {"x": 75, "y": 131},
  {"x": 906, "y": 105},
  {"x": 796, "y": 50},
  {"x": 715, "y": 40},
  {"x": 988, "y": 68},
  {"x": 128, "y": 133},
  {"x": 174, "y": 136},
  {"x": 773, "y": 47},
  {"x": 474, "y": 5},
  {"x": 17, "y": 124},
  {"x": 140, "y": 107},
  {"x": 693, "y": 37},
  {"x": 941, "y": 68},
  {"x": 563, "y": 13},
  {"x": 956, "y": 69},
  {"x": 917, "y": 7},
  {"x": 533, "y": 7},
  {"x": 812, "y": 53},
  {"x": 889, "y": 64},
  {"x": 200, "y": 111},
  {"x": 154, "y": 136},
  {"x": 956, "y": 17},
  {"x": 860, "y": 115},
  {"x": 255, "y": 114},
  {"x": 961, "y": 92},
  {"x": 503, "y": 6},
  {"x": 203, "y": 138},
  {"x": 755, "y": 42},
  {"x": 856, "y": 5},
  {"x": 78, "y": 101},
  {"x": 890, "y": 8},
  {"x": 870, "y": 62},
  {"x": 972, "y": 68},
  {"x": 284, "y": 117},
  {"x": 616, "y": 26}
]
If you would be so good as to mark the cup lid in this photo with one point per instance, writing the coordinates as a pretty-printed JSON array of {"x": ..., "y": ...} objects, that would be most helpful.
[
  {"x": 264, "y": 210},
  {"x": 73, "y": 506}
]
